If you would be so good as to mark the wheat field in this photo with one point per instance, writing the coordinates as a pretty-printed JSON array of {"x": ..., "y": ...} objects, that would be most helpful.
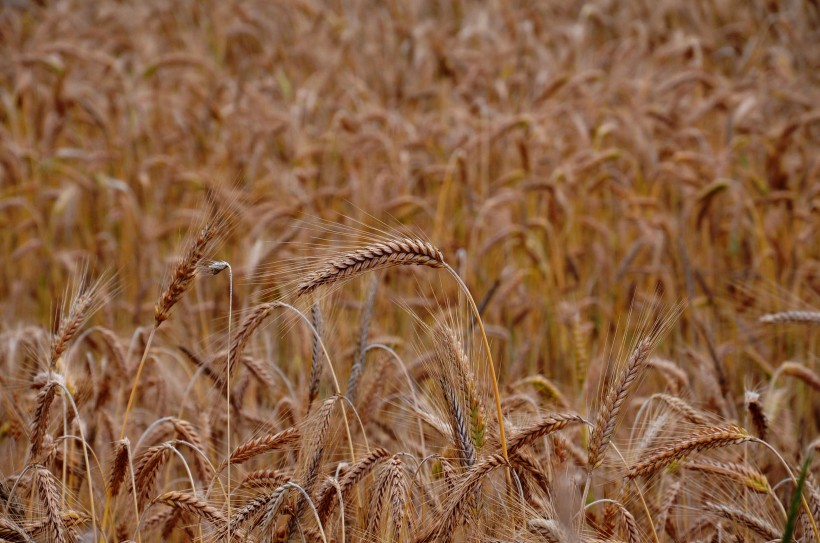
[{"x": 423, "y": 271}]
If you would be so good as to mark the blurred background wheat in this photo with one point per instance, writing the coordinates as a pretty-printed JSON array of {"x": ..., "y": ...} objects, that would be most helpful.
[{"x": 587, "y": 169}]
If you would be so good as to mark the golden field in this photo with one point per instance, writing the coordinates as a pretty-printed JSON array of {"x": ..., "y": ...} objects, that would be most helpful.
[{"x": 276, "y": 271}]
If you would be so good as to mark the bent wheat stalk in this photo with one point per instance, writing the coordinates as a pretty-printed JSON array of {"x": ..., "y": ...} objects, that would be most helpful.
[{"x": 402, "y": 252}]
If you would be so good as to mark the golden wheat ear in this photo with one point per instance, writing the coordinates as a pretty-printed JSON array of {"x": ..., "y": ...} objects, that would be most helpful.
[{"x": 388, "y": 254}]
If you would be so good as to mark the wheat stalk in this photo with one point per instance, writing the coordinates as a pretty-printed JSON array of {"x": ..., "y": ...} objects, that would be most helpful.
[{"x": 753, "y": 522}]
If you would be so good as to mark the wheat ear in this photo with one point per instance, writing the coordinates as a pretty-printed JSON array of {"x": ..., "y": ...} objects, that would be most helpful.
[
  {"x": 750, "y": 478},
  {"x": 396, "y": 252},
  {"x": 608, "y": 413},
  {"x": 50, "y": 496},
  {"x": 546, "y": 426},
  {"x": 42, "y": 413},
  {"x": 753, "y": 522},
  {"x": 259, "y": 445},
  {"x": 801, "y": 317},
  {"x": 471, "y": 481},
  {"x": 352, "y": 476},
  {"x": 119, "y": 467},
  {"x": 465, "y": 382},
  {"x": 68, "y": 327},
  {"x": 316, "y": 355},
  {"x": 192, "y": 504},
  {"x": 757, "y": 414},
  {"x": 708, "y": 438},
  {"x": 361, "y": 353}
]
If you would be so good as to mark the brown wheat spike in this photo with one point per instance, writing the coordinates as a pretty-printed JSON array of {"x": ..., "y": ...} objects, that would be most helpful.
[
  {"x": 113, "y": 343},
  {"x": 69, "y": 326},
  {"x": 684, "y": 409},
  {"x": 119, "y": 467},
  {"x": 376, "y": 503},
  {"x": 258, "y": 369},
  {"x": 454, "y": 513},
  {"x": 361, "y": 351},
  {"x": 185, "y": 270},
  {"x": 708, "y": 438},
  {"x": 749, "y": 477},
  {"x": 252, "y": 509},
  {"x": 544, "y": 427},
  {"x": 158, "y": 519},
  {"x": 799, "y": 371},
  {"x": 758, "y": 416},
  {"x": 396, "y": 252},
  {"x": 608, "y": 413},
  {"x": 260, "y": 445},
  {"x": 317, "y": 357},
  {"x": 465, "y": 382},
  {"x": 50, "y": 496},
  {"x": 352, "y": 476},
  {"x": 753, "y": 522},
  {"x": 670, "y": 496},
  {"x": 11, "y": 531},
  {"x": 630, "y": 524},
  {"x": 71, "y": 519},
  {"x": 547, "y": 529},
  {"x": 243, "y": 335},
  {"x": 317, "y": 447},
  {"x": 42, "y": 413},
  {"x": 146, "y": 469},
  {"x": 264, "y": 478},
  {"x": 192, "y": 504},
  {"x": 801, "y": 317},
  {"x": 458, "y": 425},
  {"x": 675, "y": 377},
  {"x": 398, "y": 494},
  {"x": 526, "y": 464},
  {"x": 185, "y": 430}
]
